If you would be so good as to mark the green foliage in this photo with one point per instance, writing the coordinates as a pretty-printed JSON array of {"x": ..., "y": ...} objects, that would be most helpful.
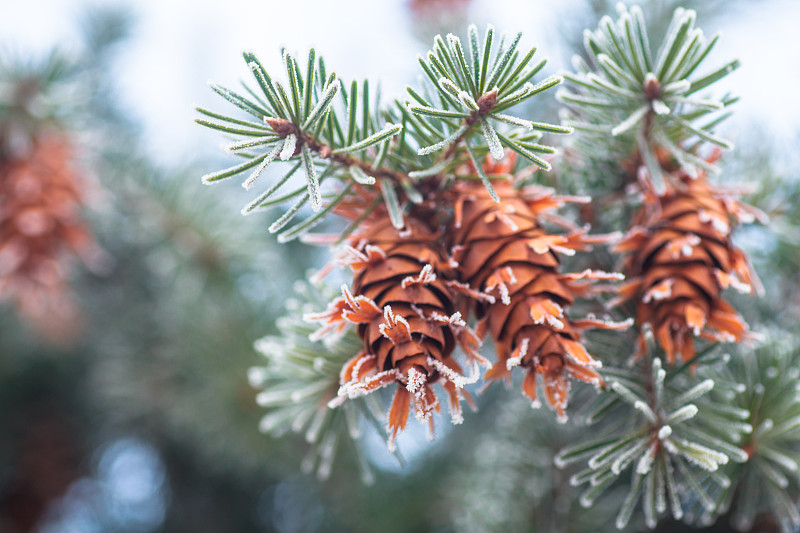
[
  {"x": 643, "y": 99},
  {"x": 768, "y": 481},
  {"x": 464, "y": 95},
  {"x": 357, "y": 141},
  {"x": 672, "y": 431},
  {"x": 170, "y": 327},
  {"x": 32, "y": 98},
  {"x": 512, "y": 483},
  {"x": 689, "y": 442},
  {"x": 299, "y": 123}
]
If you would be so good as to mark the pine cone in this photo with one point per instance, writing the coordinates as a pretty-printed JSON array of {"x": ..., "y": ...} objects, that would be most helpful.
[
  {"x": 406, "y": 315},
  {"x": 681, "y": 258},
  {"x": 512, "y": 265},
  {"x": 40, "y": 228}
]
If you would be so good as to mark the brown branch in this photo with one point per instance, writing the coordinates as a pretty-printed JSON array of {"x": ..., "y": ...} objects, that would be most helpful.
[
  {"x": 325, "y": 152},
  {"x": 285, "y": 128}
]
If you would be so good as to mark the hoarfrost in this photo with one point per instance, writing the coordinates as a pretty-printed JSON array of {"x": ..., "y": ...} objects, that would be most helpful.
[
  {"x": 684, "y": 413},
  {"x": 251, "y": 179},
  {"x": 313, "y": 181},
  {"x": 495, "y": 148},
  {"x": 646, "y": 461},
  {"x": 289, "y": 145}
]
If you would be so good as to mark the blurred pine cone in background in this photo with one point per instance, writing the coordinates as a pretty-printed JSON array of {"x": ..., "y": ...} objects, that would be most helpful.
[{"x": 42, "y": 194}]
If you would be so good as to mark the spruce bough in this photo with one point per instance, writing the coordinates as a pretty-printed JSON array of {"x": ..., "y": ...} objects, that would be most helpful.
[{"x": 452, "y": 242}]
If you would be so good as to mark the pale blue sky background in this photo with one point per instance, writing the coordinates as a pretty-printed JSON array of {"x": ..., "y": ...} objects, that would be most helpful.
[{"x": 178, "y": 45}]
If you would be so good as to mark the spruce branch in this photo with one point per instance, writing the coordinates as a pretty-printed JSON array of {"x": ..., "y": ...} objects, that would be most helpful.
[
  {"x": 300, "y": 121},
  {"x": 313, "y": 119},
  {"x": 645, "y": 100},
  {"x": 511, "y": 483},
  {"x": 674, "y": 437},
  {"x": 464, "y": 104},
  {"x": 768, "y": 481}
]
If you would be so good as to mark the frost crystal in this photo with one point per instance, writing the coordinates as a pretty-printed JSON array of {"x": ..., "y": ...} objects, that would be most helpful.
[
  {"x": 313, "y": 181},
  {"x": 248, "y": 183},
  {"x": 288, "y": 149},
  {"x": 495, "y": 148}
]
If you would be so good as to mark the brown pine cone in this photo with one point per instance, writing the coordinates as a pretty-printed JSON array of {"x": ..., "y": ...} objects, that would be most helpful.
[
  {"x": 681, "y": 258},
  {"x": 406, "y": 314},
  {"x": 512, "y": 265},
  {"x": 41, "y": 229}
]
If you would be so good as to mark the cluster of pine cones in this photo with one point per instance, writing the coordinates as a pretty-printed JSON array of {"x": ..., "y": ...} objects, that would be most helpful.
[{"x": 468, "y": 256}]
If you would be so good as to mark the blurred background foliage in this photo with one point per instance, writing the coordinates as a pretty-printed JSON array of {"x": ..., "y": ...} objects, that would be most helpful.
[{"x": 142, "y": 419}]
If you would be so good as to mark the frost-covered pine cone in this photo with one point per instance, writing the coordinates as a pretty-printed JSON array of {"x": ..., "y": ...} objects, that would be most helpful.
[
  {"x": 681, "y": 258},
  {"x": 405, "y": 312},
  {"x": 512, "y": 265}
]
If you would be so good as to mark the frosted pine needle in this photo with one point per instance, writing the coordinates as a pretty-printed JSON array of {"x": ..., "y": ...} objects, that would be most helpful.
[
  {"x": 668, "y": 435},
  {"x": 250, "y": 181}
]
